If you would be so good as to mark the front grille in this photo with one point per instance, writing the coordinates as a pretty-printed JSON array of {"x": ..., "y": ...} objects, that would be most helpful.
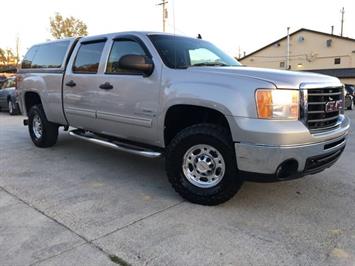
[{"x": 317, "y": 117}]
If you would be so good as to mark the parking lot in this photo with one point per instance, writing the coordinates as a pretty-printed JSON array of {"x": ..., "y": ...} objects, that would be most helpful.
[{"x": 82, "y": 204}]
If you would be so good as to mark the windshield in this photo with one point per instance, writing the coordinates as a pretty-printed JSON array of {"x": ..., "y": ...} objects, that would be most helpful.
[{"x": 182, "y": 52}]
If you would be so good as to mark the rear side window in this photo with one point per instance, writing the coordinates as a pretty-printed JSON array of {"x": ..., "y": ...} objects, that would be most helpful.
[
  {"x": 50, "y": 55},
  {"x": 119, "y": 49},
  {"x": 88, "y": 58},
  {"x": 27, "y": 61}
]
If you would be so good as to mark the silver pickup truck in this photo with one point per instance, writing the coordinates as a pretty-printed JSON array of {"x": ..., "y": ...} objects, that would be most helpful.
[{"x": 215, "y": 121}]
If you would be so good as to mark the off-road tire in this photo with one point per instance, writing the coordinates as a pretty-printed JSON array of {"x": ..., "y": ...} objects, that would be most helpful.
[
  {"x": 49, "y": 134},
  {"x": 208, "y": 134}
]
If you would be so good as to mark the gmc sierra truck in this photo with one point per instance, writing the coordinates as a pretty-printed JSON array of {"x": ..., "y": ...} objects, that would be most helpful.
[{"x": 215, "y": 121}]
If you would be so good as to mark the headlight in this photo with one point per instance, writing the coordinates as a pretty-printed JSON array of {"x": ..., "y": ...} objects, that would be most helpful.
[{"x": 278, "y": 104}]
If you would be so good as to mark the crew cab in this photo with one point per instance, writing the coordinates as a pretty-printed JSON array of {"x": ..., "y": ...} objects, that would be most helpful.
[{"x": 215, "y": 121}]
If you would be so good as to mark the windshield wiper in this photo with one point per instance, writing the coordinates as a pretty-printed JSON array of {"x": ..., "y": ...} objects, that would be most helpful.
[{"x": 210, "y": 64}]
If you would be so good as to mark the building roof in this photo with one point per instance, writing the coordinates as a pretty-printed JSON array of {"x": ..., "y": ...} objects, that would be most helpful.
[
  {"x": 302, "y": 29},
  {"x": 336, "y": 72}
]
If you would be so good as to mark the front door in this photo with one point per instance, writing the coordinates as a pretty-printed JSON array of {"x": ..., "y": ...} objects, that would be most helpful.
[{"x": 129, "y": 103}]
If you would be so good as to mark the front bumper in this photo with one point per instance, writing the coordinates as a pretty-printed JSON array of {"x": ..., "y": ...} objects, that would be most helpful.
[{"x": 309, "y": 158}]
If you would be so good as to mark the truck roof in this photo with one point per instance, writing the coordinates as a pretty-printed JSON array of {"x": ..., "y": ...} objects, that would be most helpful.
[
  {"x": 57, "y": 40},
  {"x": 138, "y": 33}
]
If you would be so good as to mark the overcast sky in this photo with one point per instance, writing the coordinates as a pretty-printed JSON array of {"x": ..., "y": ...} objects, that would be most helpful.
[{"x": 230, "y": 24}]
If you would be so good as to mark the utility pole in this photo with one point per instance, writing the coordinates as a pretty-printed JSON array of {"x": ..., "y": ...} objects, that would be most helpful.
[
  {"x": 287, "y": 66},
  {"x": 17, "y": 50},
  {"x": 165, "y": 13},
  {"x": 342, "y": 11}
]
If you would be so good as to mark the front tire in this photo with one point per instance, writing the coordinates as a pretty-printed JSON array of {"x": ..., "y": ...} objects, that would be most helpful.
[
  {"x": 201, "y": 165},
  {"x": 43, "y": 133}
]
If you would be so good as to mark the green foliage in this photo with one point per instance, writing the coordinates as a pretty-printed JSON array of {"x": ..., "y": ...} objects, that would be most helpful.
[{"x": 62, "y": 27}]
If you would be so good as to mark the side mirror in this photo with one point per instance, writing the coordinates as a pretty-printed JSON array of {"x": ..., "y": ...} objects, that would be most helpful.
[{"x": 139, "y": 63}]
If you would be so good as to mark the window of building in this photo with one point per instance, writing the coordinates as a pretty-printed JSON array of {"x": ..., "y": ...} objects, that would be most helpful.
[
  {"x": 88, "y": 57},
  {"x": 337, "y": 61},
  {"x": 282, "y": 64},
  {"x": 329, "y": 42},
  {"x": 119, "y": 49}
]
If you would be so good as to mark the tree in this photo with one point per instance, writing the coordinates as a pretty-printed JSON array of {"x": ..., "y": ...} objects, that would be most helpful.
[
  {"x": 2, "y": 56},
  {"x": 62, "y": 27},
  {"x": 7, "y": 57}
]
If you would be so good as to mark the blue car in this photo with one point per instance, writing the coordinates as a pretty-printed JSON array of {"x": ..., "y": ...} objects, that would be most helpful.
[{"x": 8, "y": 100}]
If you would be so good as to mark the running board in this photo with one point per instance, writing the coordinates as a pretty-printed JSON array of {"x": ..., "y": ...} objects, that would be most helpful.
[{"x": 133, "y": 149}]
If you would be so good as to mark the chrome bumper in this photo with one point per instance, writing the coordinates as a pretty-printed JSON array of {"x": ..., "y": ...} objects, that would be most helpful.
[
  {"x": 265, "y": 159},
  {"x": 264, "y": 145}
]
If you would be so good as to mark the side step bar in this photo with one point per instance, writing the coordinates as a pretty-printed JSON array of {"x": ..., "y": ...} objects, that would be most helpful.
[{"x": 133, "y": 149}]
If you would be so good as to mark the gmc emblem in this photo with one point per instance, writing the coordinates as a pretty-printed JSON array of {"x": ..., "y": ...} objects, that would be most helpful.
[{"x": 333, "y": 106}]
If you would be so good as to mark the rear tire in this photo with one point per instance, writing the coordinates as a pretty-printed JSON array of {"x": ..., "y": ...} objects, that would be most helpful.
[
  {"x": 43, "y": 133},
  {"x": 201, "y": 165}
]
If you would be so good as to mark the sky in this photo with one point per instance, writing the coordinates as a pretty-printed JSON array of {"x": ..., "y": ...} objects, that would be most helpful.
[{"x": 230, "y": 24}]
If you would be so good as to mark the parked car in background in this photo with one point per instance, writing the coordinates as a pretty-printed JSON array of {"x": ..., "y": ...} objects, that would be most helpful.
[
  {"x": 8, "y": 100},
  {"x": 349, "y": 96},
  {"x": 2, "y": 80}
]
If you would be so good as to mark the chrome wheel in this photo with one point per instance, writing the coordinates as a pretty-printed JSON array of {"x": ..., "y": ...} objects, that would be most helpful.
[
  {"x": 203, "y": 166},
  {"x": 37, "y": 126}
]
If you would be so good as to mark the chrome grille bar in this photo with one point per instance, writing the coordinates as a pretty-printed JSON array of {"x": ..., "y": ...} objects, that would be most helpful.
[{"x": 315, "y": 113}]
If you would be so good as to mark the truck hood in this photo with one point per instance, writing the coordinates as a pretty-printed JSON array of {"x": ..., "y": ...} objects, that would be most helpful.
[{"x": 280, "y": 78}]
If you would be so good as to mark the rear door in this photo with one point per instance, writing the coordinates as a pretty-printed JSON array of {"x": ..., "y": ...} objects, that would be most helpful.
[{"x": 81, "y": 84}]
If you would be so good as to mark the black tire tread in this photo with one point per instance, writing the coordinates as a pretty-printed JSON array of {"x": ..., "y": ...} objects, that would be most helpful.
[
  {"x": 222, "y": 135},
  {"x": 50, "y": 130}
]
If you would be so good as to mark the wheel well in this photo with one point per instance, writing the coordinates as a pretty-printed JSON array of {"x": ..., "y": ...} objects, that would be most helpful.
[
  {"x": 31, "y": 99},
  {"x": 179, "y": 117}
]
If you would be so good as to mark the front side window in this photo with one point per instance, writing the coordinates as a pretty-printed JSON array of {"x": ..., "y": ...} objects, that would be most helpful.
[
  {"x": 88, "y": 58},
  {"x": 119, "y": 49},
  {"x": 182, "y": 52}
]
